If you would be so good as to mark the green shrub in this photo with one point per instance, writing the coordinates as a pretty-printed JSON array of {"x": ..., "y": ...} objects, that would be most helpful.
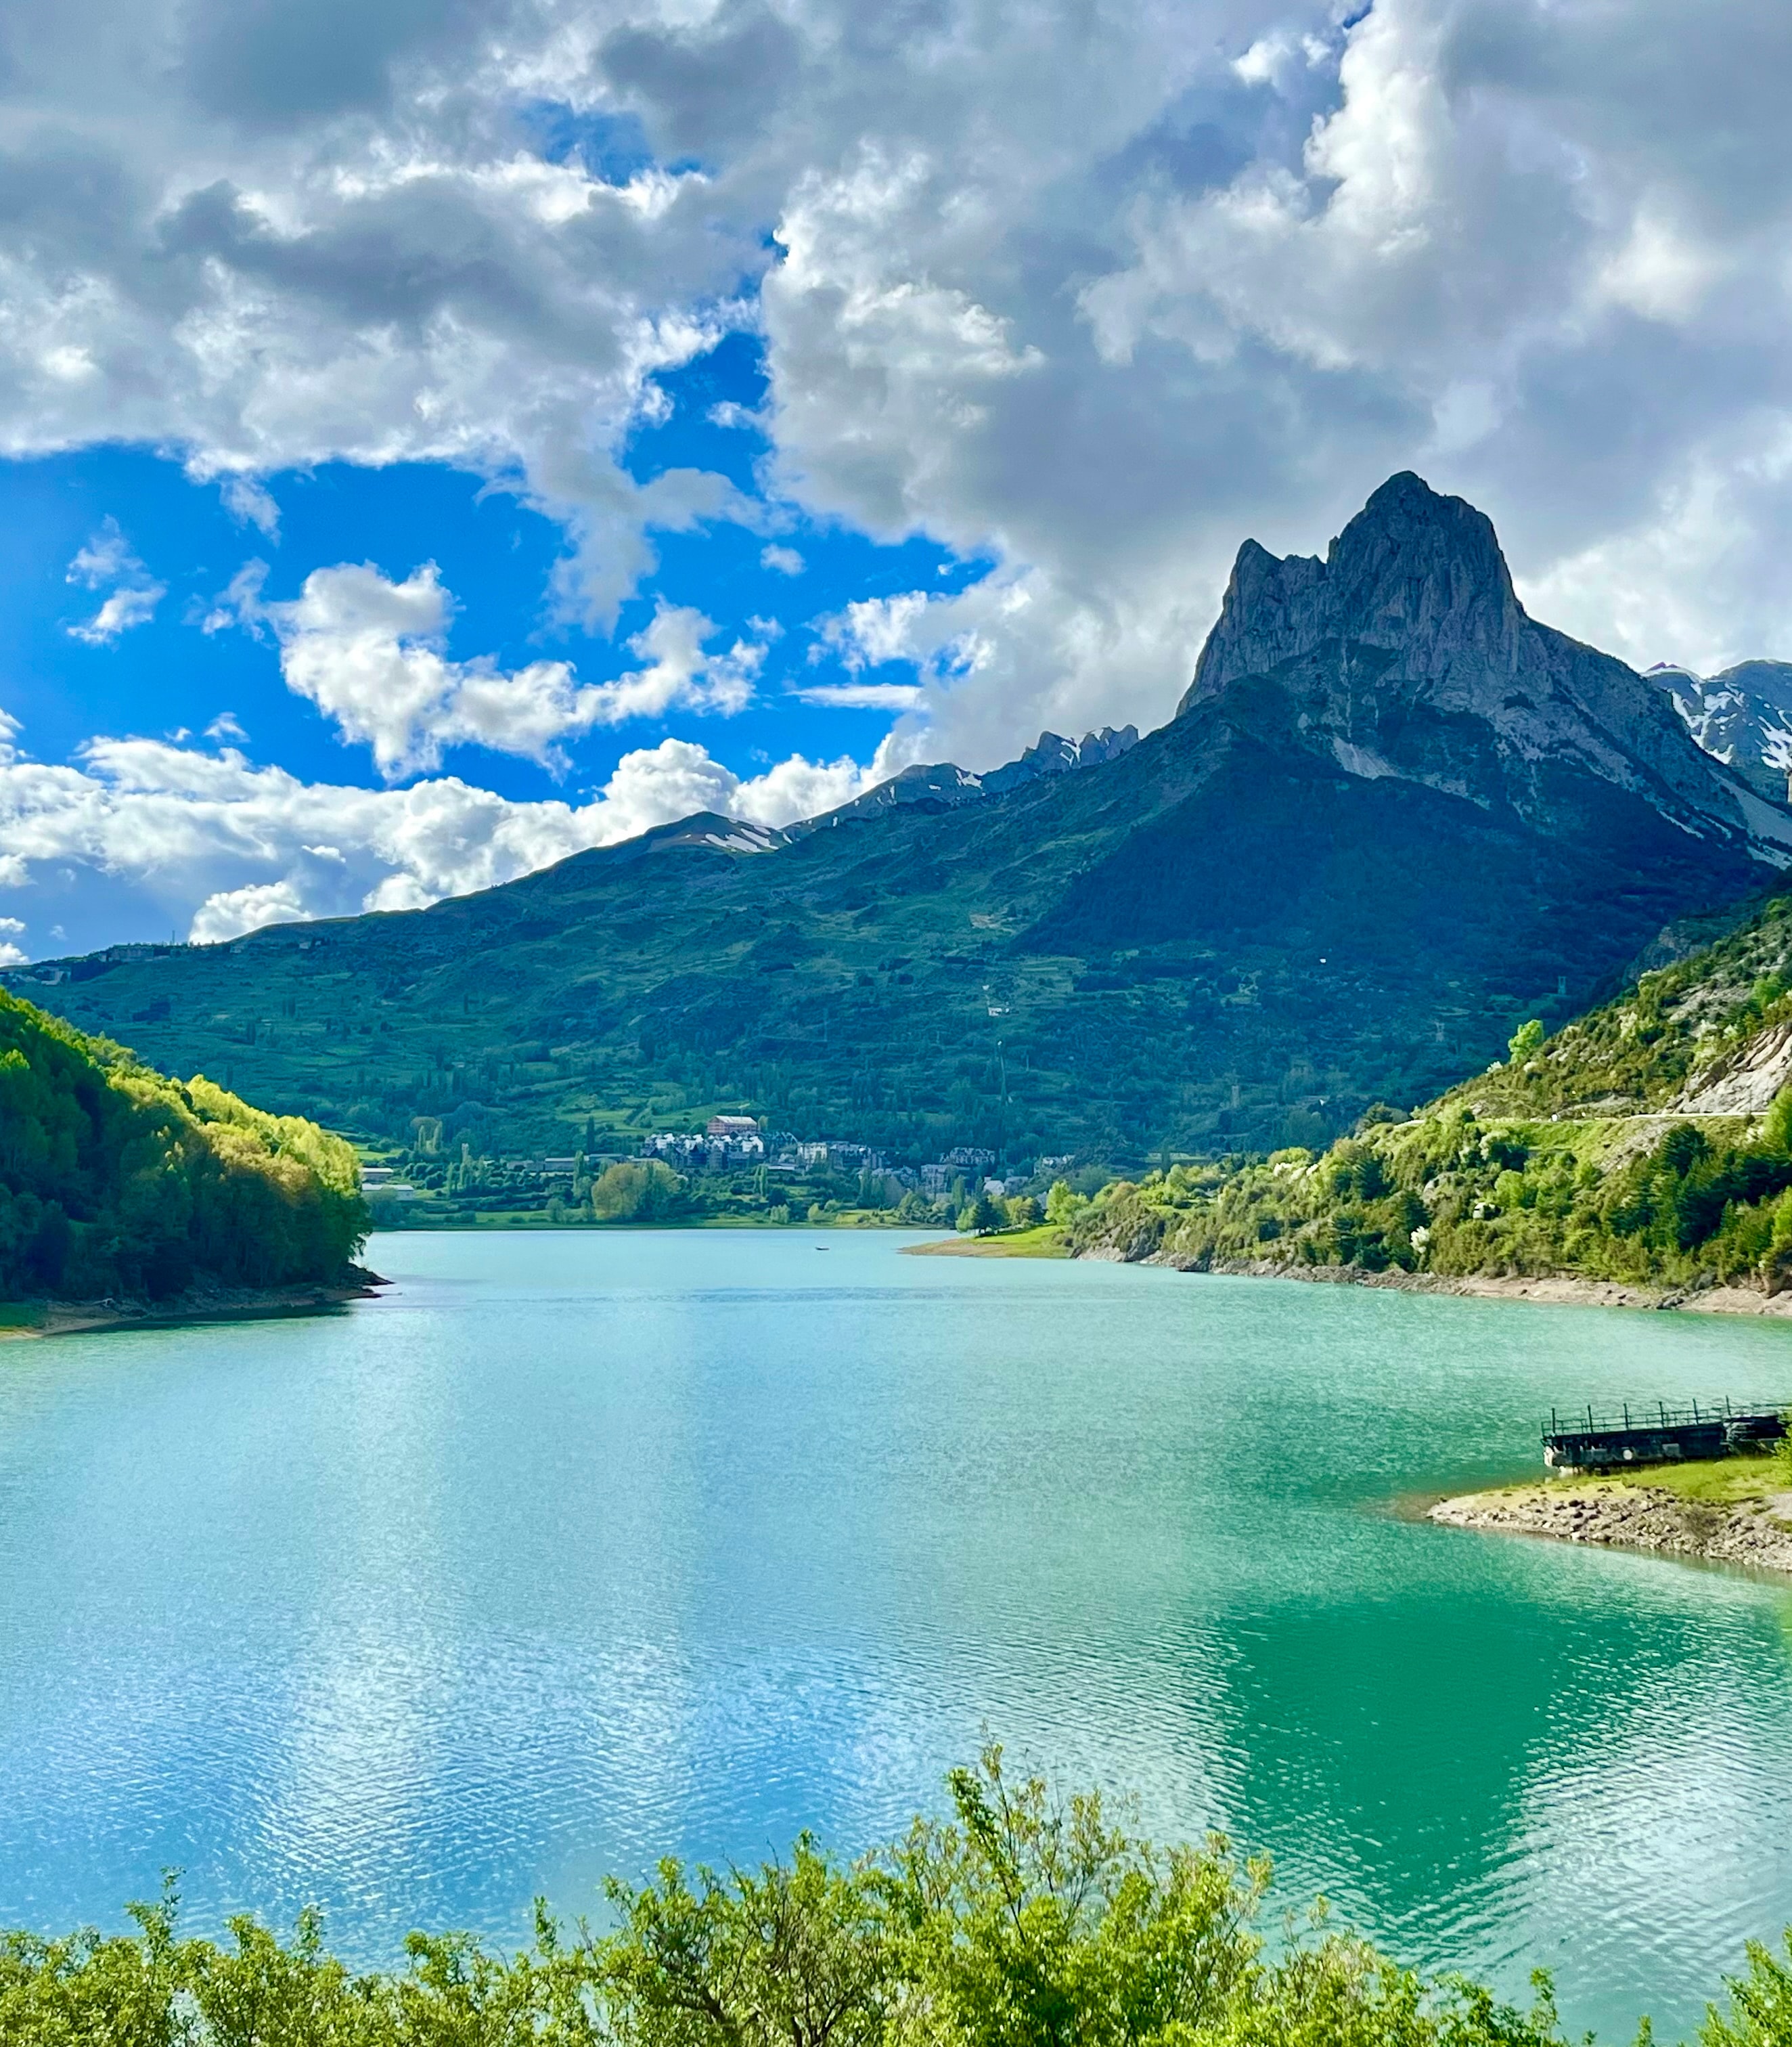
[{"x": 1020, "y": 1920}]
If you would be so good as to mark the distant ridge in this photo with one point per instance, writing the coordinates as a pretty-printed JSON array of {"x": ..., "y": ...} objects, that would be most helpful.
[
  {"x": 1393, "y": 818},
  {"x": 1742, "y": 716},
  {"x": 945, "y": 787}
]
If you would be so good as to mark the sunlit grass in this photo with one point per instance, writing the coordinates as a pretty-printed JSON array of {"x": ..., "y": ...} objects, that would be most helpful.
[
  {"x": 1044, "y": 1239},
  {"x": 1720, "y": 1481}
]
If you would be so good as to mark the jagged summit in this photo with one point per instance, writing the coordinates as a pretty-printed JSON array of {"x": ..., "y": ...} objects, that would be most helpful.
[
  {"x": 1053, "y": 755},
  {"x": 1742, "y": 716},
  {"x": 1414, "y": 571},
  {"x": 1406, "y": 653},
  {"x": 944, "y": 786}
]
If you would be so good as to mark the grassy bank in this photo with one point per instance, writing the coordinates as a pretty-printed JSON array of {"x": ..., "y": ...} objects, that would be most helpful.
[
  {"x": 1023, "y": 1922},
  {"x": 1044, "y": 1240}
]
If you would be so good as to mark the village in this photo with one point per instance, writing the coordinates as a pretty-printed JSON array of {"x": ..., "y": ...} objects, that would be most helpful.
[{"x": 734, "y": 1168}]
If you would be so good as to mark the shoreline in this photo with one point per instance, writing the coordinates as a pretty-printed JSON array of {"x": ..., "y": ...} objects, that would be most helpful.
[
  {"x": 1045, "y": 1240},
  {"x": 1753, "y": 1529},
  {"x": 1555, "y": 1290},
  {"x": 222, "y": 1304}
]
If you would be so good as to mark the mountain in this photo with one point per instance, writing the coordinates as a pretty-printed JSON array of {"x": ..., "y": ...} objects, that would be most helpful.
[
  {"x": 944, "y": 786},
  {"x": 1392, "y": 817},
  {"x": 1410, "y": 656},
  {"x": 1651, "y": 1142},
  {"x": 115, "y": 1180},
  {"x": 1742, "y": 717}
]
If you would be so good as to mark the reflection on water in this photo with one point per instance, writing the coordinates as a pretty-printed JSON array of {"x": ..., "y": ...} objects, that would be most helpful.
[{"x": 575, "y": 1550}]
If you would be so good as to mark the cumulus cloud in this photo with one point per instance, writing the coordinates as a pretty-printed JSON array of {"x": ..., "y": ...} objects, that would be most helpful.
[
  {"x": 10, "y": 954},
  {"x": 876, "y": 629},
  {"x": 786, "y": 561},
  {"x": 229, "y": 912},
  {"x": 370, "y": 654},
  {"x": 228, "y": 845},
  {"x": 1086, "y": 296}
]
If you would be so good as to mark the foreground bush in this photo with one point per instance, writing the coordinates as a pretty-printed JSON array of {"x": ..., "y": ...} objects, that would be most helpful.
[{"x": 1016, "y": 1924}]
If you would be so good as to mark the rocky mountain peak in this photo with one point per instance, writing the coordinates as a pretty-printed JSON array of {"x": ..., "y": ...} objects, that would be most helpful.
[
  {"x": 1406, "y": 653},
  {"x": 1414, "y": 572}
]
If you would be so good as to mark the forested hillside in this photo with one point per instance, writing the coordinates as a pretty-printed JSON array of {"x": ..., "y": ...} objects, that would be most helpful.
[
  {"x": 114, "y": 1181},
  {"x": 1650, "y": 1142}
]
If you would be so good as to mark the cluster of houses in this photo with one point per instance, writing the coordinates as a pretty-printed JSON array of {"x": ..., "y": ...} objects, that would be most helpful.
[
  {"x": 733, "y": 1143},
  {"x": 737, "y": 1141}
]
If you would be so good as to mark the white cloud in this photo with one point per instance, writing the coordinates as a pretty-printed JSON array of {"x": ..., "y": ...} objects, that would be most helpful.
[
  {"x": 1271, "y": 58},
  {"x": 225, "y": 726},
  {"x": 107, "y": 559},
  {"x": 786, "y": 561},
  {"x": 1086, "y": 295},
  {"x": 370, "y": 654},
  {"x": 876, "y": 629},
  {"x": 864, "y": 696},
  {"x": 228, "y": 846},
  {"x": 1643, "y": 590},
  {"x": 121, "y": 611},
  {"x": 251, "y": 504},
  {"x": 231, "y": 912}
]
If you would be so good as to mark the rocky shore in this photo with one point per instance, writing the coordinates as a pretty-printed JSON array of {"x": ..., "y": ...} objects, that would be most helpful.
[
  {"x": 1621, "y": 1515},
  {"x": 1555, "y": 1290},
  {"x": 200, "y": 1304}
]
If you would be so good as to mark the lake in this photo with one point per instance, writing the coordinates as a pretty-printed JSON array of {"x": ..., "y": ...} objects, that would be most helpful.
[{"x": 576, "y": 1549}]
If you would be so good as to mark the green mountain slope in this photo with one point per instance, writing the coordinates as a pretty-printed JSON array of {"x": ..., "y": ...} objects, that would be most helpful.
[
  {"x": 115, "y": 1180},
  {"x": 1394, "y": 817},
  {"x": 1650, "y": 1142}
]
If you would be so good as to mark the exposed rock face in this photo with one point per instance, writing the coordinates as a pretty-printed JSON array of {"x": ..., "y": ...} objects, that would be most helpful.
[
  {"x": 1742, "y": 717},
  {"x": 1053, "y": 756},
  {"x": 1746, "y": 1084},
  {"x": 1406, "y": 653}
]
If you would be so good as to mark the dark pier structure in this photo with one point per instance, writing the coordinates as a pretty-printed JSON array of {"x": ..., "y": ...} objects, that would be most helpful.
[{"x": 1588, "y": 1442}]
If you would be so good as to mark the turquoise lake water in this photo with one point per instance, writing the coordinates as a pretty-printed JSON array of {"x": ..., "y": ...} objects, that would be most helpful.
[{"x": 573, "y": 1550}]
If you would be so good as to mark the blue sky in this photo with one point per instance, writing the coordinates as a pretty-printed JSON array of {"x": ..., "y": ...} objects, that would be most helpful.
[
  {"x": 180, "y": 677},
  {"x": 170, "y": 678},
  {"x": 530, "y": 421}
]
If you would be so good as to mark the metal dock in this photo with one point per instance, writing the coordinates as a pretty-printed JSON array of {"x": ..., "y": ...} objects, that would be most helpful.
[{"x": 1643, "y": 1435}]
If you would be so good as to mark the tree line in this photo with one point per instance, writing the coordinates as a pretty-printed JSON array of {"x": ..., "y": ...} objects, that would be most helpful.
[{"x": 116, "y": 1180}]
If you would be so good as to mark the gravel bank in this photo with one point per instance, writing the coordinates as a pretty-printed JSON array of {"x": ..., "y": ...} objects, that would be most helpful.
[{"x": 1634, "y": 1517}]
